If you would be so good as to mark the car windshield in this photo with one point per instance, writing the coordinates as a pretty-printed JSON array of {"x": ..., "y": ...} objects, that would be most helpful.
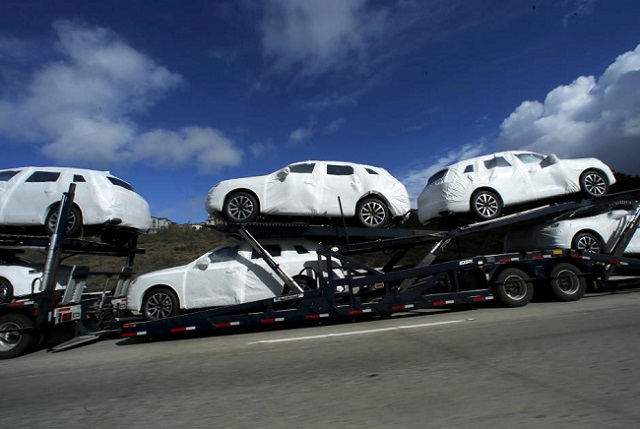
[
  {"x": 439, "y": 175},
  {"x": 224, "y": 254}
]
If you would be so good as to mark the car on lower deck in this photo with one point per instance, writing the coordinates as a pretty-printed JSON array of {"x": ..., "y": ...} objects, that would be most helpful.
[
  {"x": 21, "y": 278},
  {"x": 596, "y": 233},
  {"x": 230, "y": 274}
]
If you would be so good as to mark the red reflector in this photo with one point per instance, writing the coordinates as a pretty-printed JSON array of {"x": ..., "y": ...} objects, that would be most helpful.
[
  {"x": 16, "y": 304},
  {"x": 268, "y": 321},
  {"x": 538, "y": 257},
  {"x": 438, "y": 303},
  {"x": 130, "y": 334},
  {"x": 222, "y": 325},
  {"x": 614, "y": 262},
  {"x": 479, "y": 299},
  {"x": 178, "y": 329},
  {"x": 354, "y": 312},
  {"x": 505, "y": 260},
  {"x": 398, "y": 307},
  {"x": 312, "y": 316}
]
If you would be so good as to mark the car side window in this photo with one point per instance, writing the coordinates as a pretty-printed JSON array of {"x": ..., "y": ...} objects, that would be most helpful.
[
  {"x": 43, "y": 176},
  {"x": 301, "y": 250},
  {"x": 5, "y": 176},
  {"x": 302, "y": 168},
  {"x": 529, "y": 158},
  {"x": 273, "y": 249},
  {"x": 468, "y": 168},
  {"x": 224, "y": 254},
  {"x": 78, "y": 178},
  {"x": 121, "y": 183},
  {"x": 497, "y": 161},
  {"x": 339, "y": 170},
  {"x": 371, "y": 171}
]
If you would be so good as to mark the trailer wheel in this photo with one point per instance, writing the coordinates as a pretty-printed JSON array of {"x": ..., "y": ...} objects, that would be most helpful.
[
  {"x": 159, "y": 304},
  {"x": 513, "y": 287},
  {"x": 6, "y": 290},
  {"x": 567, "y": 283},
  {"x": 13, "y": 344}
]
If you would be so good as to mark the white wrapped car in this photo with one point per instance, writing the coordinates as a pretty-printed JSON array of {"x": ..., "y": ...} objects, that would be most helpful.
[
  {"x": 598, "y": 233},
  {"x": 313, "y": 189},
  {"x": 486, "y": 184},
  {"x": 30, "y": 196},
  {"x": 20, "y": 277},
  {"x": 229, "y": 274}
]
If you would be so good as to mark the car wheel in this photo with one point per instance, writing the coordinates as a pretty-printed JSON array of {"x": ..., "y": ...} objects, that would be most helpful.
[
  {"x": 241, "y": 207},
  {"x": 587, "y": 242},
  {"x": 13, "y": 344},
  {"x": 6, "y": 290},
  {"x": 513, "y": 287},
  {"x": 593, "y": 183},
  {"x": 372, "y": 213},
  {"x": 159, "y": 304},
  {"x": 74, "y": 223},
  {"x": 486, "y": 205},
  {"x": 567, "y": 282}
]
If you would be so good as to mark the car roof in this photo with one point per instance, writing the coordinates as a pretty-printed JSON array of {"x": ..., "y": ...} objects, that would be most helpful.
[
  {"x": 59, "y": 169},
  {"x": 338, "y": 163},
  {"x": 491, "y": 155}
]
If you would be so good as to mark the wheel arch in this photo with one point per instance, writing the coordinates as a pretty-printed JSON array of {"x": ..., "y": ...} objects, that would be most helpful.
[
  {"x": 593, "y": 232},
  {"x": 155, "y": 287},
  {"x": 486, "y": 188},
  {"x": 236, "y": 190},
  {"x": 375, "y": 194},
  {"x": 56, "y": 205}
]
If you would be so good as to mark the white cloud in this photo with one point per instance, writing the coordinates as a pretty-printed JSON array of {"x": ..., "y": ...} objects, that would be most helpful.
[
  {"x": 415, "y": 180},
  {"x": 80, "y": 107},
  {"x": 588, "y": 117},
  {"x": 334, "y": 126},
  {"x": 301, "y": 134},
  {"x": 314, "y": 37}
]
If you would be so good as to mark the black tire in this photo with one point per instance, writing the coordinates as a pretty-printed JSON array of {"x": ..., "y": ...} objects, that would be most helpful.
[
  {"x": 241, "y": 207},
  {"x": 594, "y": 184},
  {"x": 587, "y": 242},
  {"x": 372, "y": 213},
  {"x": 74, "y": 224},
  {"x": 486, "y": 205},
  {"x": 567, "y": 282},
  {"x": 13, "y": 344},
  {"x": 6, "y": 291},
  {"x": 160, "y": 303},
  {"x": 513, "y": 287}
]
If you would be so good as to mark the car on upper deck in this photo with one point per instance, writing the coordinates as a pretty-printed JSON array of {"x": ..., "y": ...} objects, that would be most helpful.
[
  {"x": 103, "y": 204},
  {"x": 311, "y": 190},
  {"x": 485, "y": 185}
]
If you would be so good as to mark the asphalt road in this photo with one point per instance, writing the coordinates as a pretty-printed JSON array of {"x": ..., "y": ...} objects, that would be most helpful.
[{"x": 552, "y": 365}]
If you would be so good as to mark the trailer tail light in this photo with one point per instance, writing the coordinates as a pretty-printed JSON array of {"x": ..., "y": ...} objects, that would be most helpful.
[{"x": 67, "y": 314}]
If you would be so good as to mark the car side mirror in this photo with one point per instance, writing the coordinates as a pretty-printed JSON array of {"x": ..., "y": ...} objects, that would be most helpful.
[
  {"x": 282, "y": 174},
  {"x": 202, "y": 263},
  {"x": 549, "y": 160}
]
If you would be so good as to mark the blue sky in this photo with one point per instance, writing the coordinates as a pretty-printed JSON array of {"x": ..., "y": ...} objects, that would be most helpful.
[{"x": 174, "y": 96}]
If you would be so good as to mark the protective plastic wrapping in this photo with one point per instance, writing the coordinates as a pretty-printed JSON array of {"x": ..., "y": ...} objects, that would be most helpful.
[
  {"x": 230, "y": 274},
  {"x": 606, "y": 227},
  {"x": 315, "y": 188},
  {"x": 28, "y": 193},
  {"x": 516, "y": 176}
]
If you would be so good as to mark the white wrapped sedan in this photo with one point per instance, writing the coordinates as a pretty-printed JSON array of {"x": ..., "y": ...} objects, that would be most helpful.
[
  {"x": 229, "y": 274},
  {"x": 20, "y": 277},
  {"x": 486, "y": 184},
  {"x": 597, "y": 233},
  {"x": 325, "y": 189},
  {"x": 30, "y": 197}
]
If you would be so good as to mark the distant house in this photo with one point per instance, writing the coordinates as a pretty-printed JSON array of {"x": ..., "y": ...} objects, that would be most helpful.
[{"x": 160, "y": 222}]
